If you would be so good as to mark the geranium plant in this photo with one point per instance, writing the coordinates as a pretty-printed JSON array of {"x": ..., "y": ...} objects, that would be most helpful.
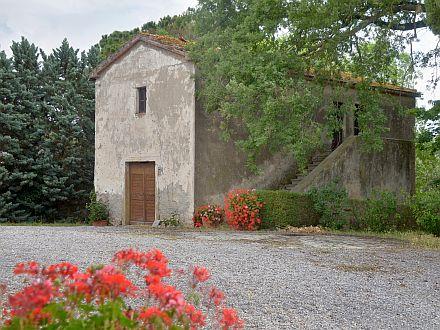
[
  {"x": 61, "y": 296},
  {"x": 208, "y": 215},
  {"x": 243, "y": 209},
  {"x": 98, "y": 211}
]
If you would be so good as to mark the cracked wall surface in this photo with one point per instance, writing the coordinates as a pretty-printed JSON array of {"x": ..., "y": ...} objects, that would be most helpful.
[{"x": 164, "y": 134}]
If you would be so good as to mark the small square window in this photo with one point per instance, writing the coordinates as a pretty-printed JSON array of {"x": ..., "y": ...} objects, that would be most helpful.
[{"x": 142, "y": 99}]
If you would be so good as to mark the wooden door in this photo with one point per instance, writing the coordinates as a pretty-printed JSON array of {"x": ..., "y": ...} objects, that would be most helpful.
[{"x": 142, "y": 188}]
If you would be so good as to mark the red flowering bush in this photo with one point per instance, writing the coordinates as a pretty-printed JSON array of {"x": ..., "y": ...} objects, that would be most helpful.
[
  {"x": 60, "y": 296},
  {"x": 208, "y": 216},
  {"x": 243, "y": 209}
]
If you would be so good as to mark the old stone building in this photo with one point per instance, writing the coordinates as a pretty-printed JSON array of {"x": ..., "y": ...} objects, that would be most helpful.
[{"x": 157, "y": 152}]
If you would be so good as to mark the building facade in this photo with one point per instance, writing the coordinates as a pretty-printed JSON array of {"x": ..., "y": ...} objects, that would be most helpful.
[{"x": 158, "y": 153}]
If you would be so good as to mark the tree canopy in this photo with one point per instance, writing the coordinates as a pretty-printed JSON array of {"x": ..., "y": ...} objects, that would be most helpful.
[{"x": 252, "y": 57}]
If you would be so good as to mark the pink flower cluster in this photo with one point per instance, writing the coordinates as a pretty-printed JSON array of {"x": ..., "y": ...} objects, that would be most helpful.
[
  {"x": 208, "y": 216},
  {"x": 243, "y": 209}
]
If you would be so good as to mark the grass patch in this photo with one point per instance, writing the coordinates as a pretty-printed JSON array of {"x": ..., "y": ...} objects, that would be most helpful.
[
  {"x": 358, "y": 268},
  {"x": 414, "y": 238}
]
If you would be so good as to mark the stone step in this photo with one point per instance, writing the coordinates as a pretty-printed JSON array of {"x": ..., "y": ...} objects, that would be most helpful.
[
  {"x": 315, "y": 161},
  {"x": 296, "y": 181},
  {"x": 320, "y": 156}
]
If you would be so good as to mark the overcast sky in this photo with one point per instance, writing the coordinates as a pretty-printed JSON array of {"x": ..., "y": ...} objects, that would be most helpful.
[{"x": 47, "y": 22}]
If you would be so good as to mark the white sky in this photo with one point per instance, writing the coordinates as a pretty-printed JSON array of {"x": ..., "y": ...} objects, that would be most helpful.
[{"x": 47, "y": 22}]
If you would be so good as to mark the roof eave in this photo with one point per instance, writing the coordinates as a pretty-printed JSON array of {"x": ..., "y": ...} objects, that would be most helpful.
[{"x": 180, "y": 52}]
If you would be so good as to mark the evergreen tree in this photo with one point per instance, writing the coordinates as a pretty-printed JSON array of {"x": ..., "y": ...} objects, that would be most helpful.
[
  {"x": 46, "y": 132},
  {"x": 14, "y": 120}
]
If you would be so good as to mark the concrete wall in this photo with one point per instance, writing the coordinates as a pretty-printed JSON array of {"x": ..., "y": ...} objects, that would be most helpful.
[
  {"x": 165, "y": 134},
  {"x": 392, "y": 169}
]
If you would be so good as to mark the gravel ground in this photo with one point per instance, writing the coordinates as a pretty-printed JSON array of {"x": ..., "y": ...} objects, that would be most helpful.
[{"x": 276, "y": 281}]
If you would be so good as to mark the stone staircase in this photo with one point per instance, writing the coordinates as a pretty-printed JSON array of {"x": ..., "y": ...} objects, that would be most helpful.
[{"x": 314, "y": 162}]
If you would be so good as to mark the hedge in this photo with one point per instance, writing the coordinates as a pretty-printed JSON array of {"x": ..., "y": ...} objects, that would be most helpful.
[
  {"x": 403, "y": 219},
  {"x": 284, "y": 208}
]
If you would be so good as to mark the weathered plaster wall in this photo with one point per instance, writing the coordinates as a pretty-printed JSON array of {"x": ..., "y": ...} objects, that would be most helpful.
[
  {"x": 165, "y": 134},
  {"x": 392, "y": 169}
]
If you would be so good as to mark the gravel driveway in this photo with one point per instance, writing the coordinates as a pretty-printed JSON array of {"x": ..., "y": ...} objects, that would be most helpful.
[{"x": 275, "y": 281}]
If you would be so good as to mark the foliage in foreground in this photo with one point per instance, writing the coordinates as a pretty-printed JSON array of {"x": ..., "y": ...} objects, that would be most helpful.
[{"x": 60, "y": 296}]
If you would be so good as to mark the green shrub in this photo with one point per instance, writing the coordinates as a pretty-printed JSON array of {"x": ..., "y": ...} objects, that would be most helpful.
[
  {"x": 172, "y": 221},
  {"x": 380, "y": 212},
  {"x": 403, "y": 218},
  {"x": 426, "y": 208},
  {"x": 332, "y": 204},
  {"x": 97, "y": 209},
  {"x": 284, "y": 208}
]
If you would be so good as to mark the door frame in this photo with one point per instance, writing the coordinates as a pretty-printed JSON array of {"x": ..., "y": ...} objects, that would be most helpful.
[{"x": 126, "y": 220}]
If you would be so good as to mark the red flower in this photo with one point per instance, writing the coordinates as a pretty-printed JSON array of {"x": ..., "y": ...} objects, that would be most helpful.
[
  {"x": 32, "y": 297},
  {"x": 208, "y": 215},
  {"x": 195, "y": 316},
  {"x": 230, "y": 319},
  {"x": 153, "y": 260},
  {"x": 62, "y": 286},
  {"x": 242, "y": 209},
  {"x": 109, "y": 282},
  {"x": 216, "y": 296},
  {"x": 28, "y": 268},
  {"x": 201, "y": 274},
  {"x": 61, "y": 270},
  {"x": 81, "y": 284},
  {"x": 150, "y": 314},
  {"x": 168, "y": 296}
]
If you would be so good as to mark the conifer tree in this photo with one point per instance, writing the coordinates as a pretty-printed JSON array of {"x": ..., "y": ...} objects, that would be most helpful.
[{"x": 46, "y": 132}]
